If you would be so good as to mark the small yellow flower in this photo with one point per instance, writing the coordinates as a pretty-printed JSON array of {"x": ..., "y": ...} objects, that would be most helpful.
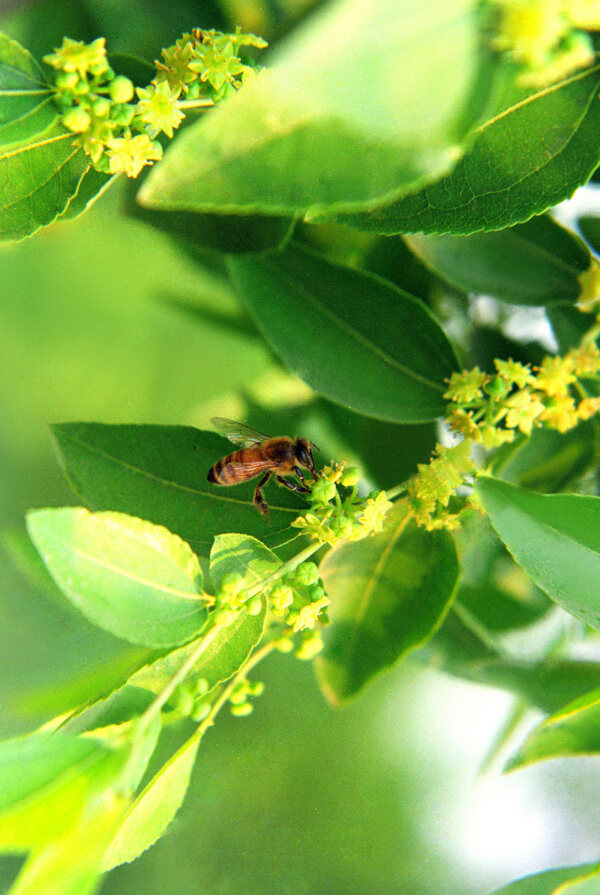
[
  {"x": 555, "y": 376},
  {"x": 462, "y": 421},
  {"x": 157, "y": 107},
  {"x": 465, "y": 387},
  {"x": 523, "y": 408},
  {"x": 333, "y": 473},
  {"x": 218, "y": 65},
  {"x": 309, "y": 615},
  {"x": 129, "y": 154},
  {"x": 560, "y": 413},
  {"x": 76, "y": 56},
  {"x": 514, "y": 372},
  {"x": 585, "y": 359},
  {"x": 493, "y": 436},
  {"x": 587, "y": 408},
  {"x": 373, "y": 515},
  {"x": 175, "y": 69}
]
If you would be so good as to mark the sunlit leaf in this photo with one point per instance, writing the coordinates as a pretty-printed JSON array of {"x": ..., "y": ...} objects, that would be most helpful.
[
  {"x": 550, "y": 882},
  {"x": 132, "y": 578},
  {"x": 155, "y": 807},
  {"x": 335, "y": 122},
  {"x": 575, "y": 730},
  {"x": 382, "y": 354},
  {"x": 517, "y": 166},
  {"x": 389, "y": 593},
  {"x": 556, "y": 540}
]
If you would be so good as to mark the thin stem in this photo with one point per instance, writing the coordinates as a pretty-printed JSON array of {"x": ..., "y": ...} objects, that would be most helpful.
[
  {"x": 396, "y": 491},
  {"x": 180, "y": 675},
  {"x": 203, "y": 103},
  {"x": 288, "y": 566}
]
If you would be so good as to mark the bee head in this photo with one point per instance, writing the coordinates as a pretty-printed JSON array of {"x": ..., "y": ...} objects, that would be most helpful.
[{"x": 304, "y": 454}]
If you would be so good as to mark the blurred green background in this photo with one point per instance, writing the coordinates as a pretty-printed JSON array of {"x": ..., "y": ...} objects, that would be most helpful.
[{"x": 382, "y": 797}]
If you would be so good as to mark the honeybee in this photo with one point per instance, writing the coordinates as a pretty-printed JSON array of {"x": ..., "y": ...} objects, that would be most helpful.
[{"x": 282, "y": 456}]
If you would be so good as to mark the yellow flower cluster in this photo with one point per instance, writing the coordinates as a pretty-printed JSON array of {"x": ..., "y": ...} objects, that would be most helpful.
[
  {"x": 489, "y": 411},
  {"x": 119, "y": 135}
]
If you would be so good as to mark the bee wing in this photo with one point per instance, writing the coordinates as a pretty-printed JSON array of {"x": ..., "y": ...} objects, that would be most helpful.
[{"x": 238, "y": 433}]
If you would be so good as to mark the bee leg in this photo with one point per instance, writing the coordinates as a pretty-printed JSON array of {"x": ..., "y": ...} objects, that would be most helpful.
[
  {"x": 292, "y": 486},
  {"x": 259, "y": 501},
  {"x": 299, "y": 473}
]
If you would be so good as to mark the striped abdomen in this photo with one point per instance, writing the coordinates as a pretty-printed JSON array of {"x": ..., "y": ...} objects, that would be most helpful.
[{"x": 252, "y": 461}]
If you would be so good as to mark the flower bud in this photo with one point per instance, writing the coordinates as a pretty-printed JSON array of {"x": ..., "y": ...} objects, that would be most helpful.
[
  {"x": 101, "y": 107},
  {"x": 77, "y": 120},
  {"x": 245, "y": 708},
  {"x": 66, "y": 80},
  {"x": 282, "y": 596},
  {"x": 350, "y": 476},
  {"x": 323, "y": 491},
  {"x": 306, "y": 573},
  {"x": 284, "y": 644},
  {"x": 255, "y": 606},
  {"x": 201, "y": 710},
  {"x": 121, "y": 89}
]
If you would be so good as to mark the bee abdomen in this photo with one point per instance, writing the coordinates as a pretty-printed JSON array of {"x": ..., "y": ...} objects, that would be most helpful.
[{"x": 223, "y": 473}]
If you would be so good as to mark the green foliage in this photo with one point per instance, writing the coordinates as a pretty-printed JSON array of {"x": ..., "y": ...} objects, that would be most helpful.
[
  {"x": 132, "y": 578},
  {"x": 400, "y": 355},
  {"x": 554, "y": 538},
  {"x": 516, "y": 166},
  {"x": 462, "y": 133},
  {"x": 389, "y": 594}
]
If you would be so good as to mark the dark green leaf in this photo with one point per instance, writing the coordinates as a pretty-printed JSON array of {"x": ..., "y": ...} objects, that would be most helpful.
[
  {"x": 382, "y": 353},
  {"x": 388, "y": 453},
  {"x": 590, "y": 227},
  {"x": 37, "y": 181},
  {"x": 575, "y": 730},
  {"x": 569, "y": 325},
  {"x": 556, "y": 540},
  {"x": 517, "y": 166},
  {"x": 550, "y": 882},
  {"x": 226, "y": 233},
  {"x": 318, "y": 132},
  {"x": 389, "y": 593},
  {"x": 498, "y": 609},
  {"x": 26, "y": 103},
  {"x": 130, "y": 577},
  {"x": 159, "y": 473},
  {"x": 549, "y": 460},
  {"x": 535, "y": 263}
]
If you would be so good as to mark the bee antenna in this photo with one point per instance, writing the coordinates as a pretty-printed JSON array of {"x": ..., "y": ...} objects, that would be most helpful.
[{"x": 316, "y": 447}]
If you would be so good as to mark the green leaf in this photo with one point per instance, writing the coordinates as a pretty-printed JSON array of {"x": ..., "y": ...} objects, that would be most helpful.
[
  {"x": 569, "y": 325},
  {"x": 536, "y": 263},
  {"x": 93, "y": 663},
  {"x": 518, "y": 166},
  {"x": 26, "y": 103},
  {"x": 336, "y": 123},
  {"x": 549, "y": 460},
  {"x": 550, "y": 882},
  {"x": 244, "y": 555},
  {"x": 222, "y": 658},
  {"x": 49, "y": 776},
  {"x": 590, "y": 227},
  {"x": 38, "y": 179},
  {"x": 155, "y": 807},
  {"x": 556, "y": 540},
  {"x": 159, "y": 473},
  {"x": 586, "y": 884},
  {"x": 382, "y": 353},
  {"x": 389, "y": 593},
  {"x": 91, "y": 186},
  {"x": 575, "y": 730},
  {"x": 130, "y": 577}
]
